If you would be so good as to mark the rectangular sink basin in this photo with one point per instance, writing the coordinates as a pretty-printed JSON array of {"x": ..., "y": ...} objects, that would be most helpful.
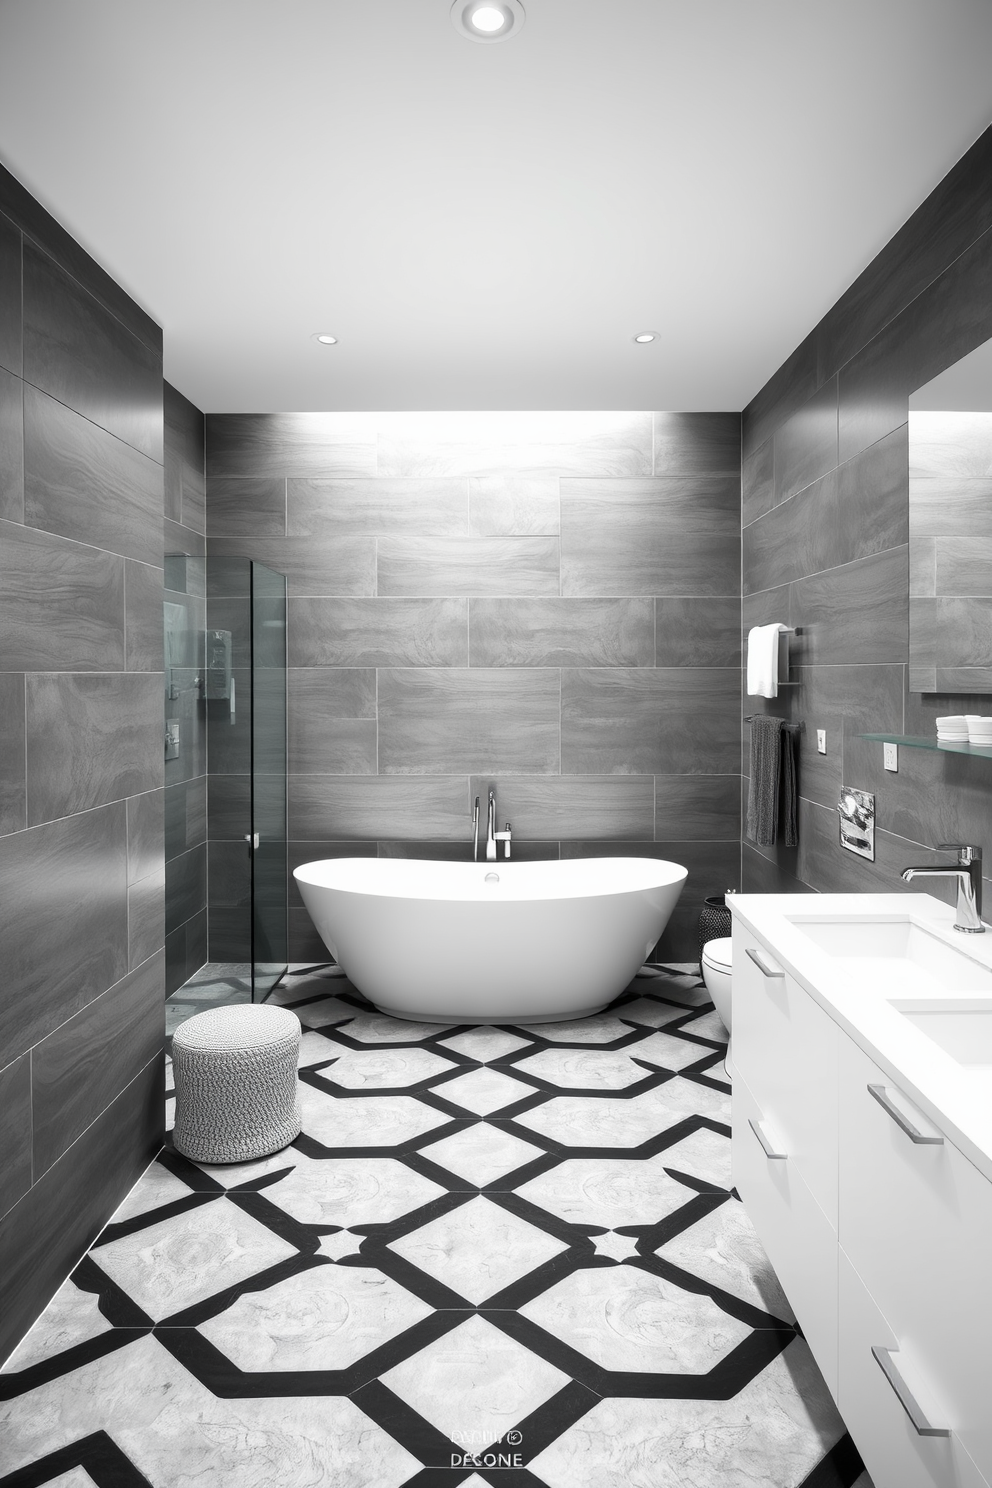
[
  {"x": 963, "y": 1033},
  {"x": 897, "y": 955}
]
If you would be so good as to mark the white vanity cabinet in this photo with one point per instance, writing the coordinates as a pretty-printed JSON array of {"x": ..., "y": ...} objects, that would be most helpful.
[{"x": 879, "y": 1228}]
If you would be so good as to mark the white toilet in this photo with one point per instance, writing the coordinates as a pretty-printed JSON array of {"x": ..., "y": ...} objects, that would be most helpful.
[{"x": 717, "y": 964}]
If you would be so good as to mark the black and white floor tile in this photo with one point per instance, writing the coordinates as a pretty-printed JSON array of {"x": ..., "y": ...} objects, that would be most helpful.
[{"x": 507, "y": 1256}]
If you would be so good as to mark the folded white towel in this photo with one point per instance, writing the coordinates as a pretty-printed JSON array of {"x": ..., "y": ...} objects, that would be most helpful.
[{"x": 762, "y": 660}]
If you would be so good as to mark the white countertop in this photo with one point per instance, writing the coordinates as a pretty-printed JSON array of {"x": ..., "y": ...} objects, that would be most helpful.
[{"x": 955, "y": 1097}]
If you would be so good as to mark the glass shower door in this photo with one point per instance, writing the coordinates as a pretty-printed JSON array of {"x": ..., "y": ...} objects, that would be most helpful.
[{"x": 269, "y": 911}]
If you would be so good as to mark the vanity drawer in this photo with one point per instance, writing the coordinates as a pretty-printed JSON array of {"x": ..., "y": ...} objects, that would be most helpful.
[
  {"x": 895, "y": 1455},
  {"x": 915, "y": 1218},
  {"x": 799, "y": 1239},
  {"x": 785, "y": 1048}
]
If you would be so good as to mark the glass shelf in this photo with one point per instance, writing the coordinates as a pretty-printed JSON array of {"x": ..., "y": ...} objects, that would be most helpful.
[{"x": 938, "y": 746}]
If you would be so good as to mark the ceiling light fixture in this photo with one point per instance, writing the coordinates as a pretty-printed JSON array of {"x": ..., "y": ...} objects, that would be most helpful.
[
  {"x": 487, "y": 20},
  {"x": 644, "y": 338},
  {"x": 325, "y": 338}
]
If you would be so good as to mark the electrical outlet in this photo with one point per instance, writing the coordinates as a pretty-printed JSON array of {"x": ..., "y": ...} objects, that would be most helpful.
[
  {"x": 821, "y": 741},
  {"x": 890, "y": 756}
]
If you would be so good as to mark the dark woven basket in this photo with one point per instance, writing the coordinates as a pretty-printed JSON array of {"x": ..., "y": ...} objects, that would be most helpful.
[{"x": 714, "y": 920}]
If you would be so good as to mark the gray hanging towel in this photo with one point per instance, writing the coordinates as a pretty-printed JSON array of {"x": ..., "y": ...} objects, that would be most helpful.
[
  {"x": 762, "y": 796},
  {"x": 787, "y": 811}
]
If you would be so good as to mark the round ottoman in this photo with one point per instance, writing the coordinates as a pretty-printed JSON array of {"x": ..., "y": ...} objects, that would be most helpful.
[{"x": 236, "y": 1088}]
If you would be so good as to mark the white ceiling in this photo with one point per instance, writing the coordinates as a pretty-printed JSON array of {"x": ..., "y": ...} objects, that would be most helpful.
[{"x": 486, "y": 226}]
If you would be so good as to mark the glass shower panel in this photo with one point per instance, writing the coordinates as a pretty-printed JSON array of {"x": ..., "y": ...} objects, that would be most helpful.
[{"x": 269, "y": 911}]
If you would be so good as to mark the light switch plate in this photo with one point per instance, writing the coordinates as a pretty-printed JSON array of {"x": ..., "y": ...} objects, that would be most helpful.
[
  {"x": 821, "y": 741},
  {"x": 890, "y": 756}
]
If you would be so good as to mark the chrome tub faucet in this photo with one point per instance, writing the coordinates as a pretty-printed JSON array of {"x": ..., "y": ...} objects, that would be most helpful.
[
  {"x": 968, "y": 873},
  {"x": 492, "y": 836}
]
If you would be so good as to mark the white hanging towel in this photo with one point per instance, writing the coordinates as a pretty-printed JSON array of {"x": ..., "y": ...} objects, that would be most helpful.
[{"x": 762, "y": 660}]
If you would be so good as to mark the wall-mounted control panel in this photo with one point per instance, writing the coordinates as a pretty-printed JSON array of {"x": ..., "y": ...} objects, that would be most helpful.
[{"x": 172, "y": 739}]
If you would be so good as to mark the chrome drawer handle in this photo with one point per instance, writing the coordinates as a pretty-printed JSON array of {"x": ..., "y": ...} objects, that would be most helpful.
[
  {"x": 904, "y": 1395},
  {"x": 763, "y": 1142},
  {"x": 766, "y": 967},
  {"x": 914, "y": 1134}
]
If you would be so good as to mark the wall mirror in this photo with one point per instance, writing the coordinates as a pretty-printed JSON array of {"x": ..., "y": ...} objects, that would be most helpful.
[{"x": 950, "y": 528}]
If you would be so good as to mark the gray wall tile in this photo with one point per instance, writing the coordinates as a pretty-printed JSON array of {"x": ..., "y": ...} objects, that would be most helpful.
[
  {"x": 187, "y": 887},
  {"x": 11, "y": 447},
  {"x": 293, "y": 444},
  {"x": 143, "y": 597},
  {"x": 462, "y": 720},
  {"x": 806, "y": 444},
  {"x": 963, "y": 565},
  {"x": 861, "y": 609},
  {"x": 185, "y": 815},
  {"x": 387, "y": 633},
  {"x": 697, "y": 444},
  {"x": 10, "y": 296},
  {"x": 562, "y": 632},
  {"x": 758, "y": 481},
  {"x": 15, "y": 1131},
  {"x": 697, "y": 807},
  {"x": 672, "y": 721},
  {"x": 431, "y": 507},
  {"x": 145, "y": 834},
  {"x": 349, "y": 807},
  {"x": 63, "y": 936},
  {"x": 250, "y": 506},
  {"x": 513, "y": 506},
  {"x": 422, "y": 444},
  {"x": 312, "y": 565},
  {"x": 13, "y": 794},
  {"x": 91, "y": 739},
  {"x": 667, "y": 536},
  {"x": 229, "y": 871},
  {"x": 332, "y": 721},
  {"x": 698, "y": 632},
  {"x": 546, "y": 808},
  {"x": 61, "y": 604},
  {"x": 228, "y": 805},
  {"x": 145, "y": 917},
  {"x": 84, "y": 483},
  {"x": 467, "y": 566}
]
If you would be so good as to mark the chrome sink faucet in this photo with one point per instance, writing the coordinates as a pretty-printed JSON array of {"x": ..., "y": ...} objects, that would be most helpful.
[
  {"x": 492, "y": 836},
  {"x": 968, "y": 872}
]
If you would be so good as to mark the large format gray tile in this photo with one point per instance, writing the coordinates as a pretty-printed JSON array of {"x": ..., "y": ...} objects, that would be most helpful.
[
  {"x": 963, "y": 565},
  {"x": 950, "y": 506},
  {"x": 467, "y": 565},
  {"x": 806, "y": 444},
  {"x": 672, "y": 721},
  {"x": 673, "y": 535},
  {"x": 433, "y": 507},
  {"x": 186, "y": 886},
  {"x": 698, "y": 632},
  {"x": 184, "y": 458},
  {"x": 146, "y": 917},
  {"x": 460, "y": 720},
  {"x": 697, "y": 444},
  {"x": 246, "y": 507},
  {"x": 84, "y": 483},
  {"x": 228, "y": 805},
  {"x": 322, "y": 445},
  {"x": 63, "y": 935},
  {"x": 146, "y": 834},
  {"x": 758, "y": 481},
  {"x": 91, "y": 739},
  {"x": 143, "y": 599},
  {"x": 10, "y": 297},
  {"x": 12, "y": 447},
  {"x": 61, "y": 604},
  {"x": 949, "y": 443},
  {"x": 697, "y": 807},
  {"x": 561, "y": 632},
  {"x": 859, "y": 609},
  {"x": 13, "y": 765},
  {"x": 15, "y": 1131},
  {"x": 964, "y": 631},
  {"x": 376, "y": 632},
  {"x": 549, "y": 807},
  {"x": 369, "y": 807},
  {"x": 843, "y": 700},
  {"x": 81, "y": 1067},
  {"x": 332, "y": 721},
  {"x": 79, "y": 353},
  {"x": 497, "y": 443},
  {"x": 312, "y": 565},
  {"x": 513, "y": 506}
]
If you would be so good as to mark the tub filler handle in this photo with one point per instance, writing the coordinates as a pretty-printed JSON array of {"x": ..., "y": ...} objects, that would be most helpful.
[{"x": 475, "y": 831}]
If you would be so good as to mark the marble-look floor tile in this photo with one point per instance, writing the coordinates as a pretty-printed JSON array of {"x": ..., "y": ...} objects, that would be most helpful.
[
  {"x": 484, "y": 1043},
  {"x": 77, "y": 1477},
  {"x": 341, "y": 1243},
  {"x": 475, "y": 1381},
  {"x": 377, "y": 1028},
  {"x": 673, "y": 1053},
  {"x": 709, "y": 1025},
  {"x": 608, "y": 1191},
  {"x": 72, "y": 1317},
  {"x": 351, "y": 1191},
  {"x": 387, "y": 1069},
  {"x": 481, "y": 1154},
  {"x": 704, "y": 1154},
  {"x": 584, "y": 1069},
  {"x": 178, "y": 1432},
  {"x": 324, "y": 1012},
  {"x": 170, "y": 1265},
  {"x": 477, "y": 1249},
  {"x": 646, "y": 1010},
  {"x": 624, "y": 1318},
  {"x": 325, "y": 1318},
  {"x": 595, "y": 1121},
  {"x": 600, "y": 1030},
  {"x": 483, "y": 1091},
  {"x": 724, "y": 1250},
  {"x": 378, "y": 1121},
  {"x": 615, "y": 1247},
  {"x": 156, "y": 1187},
  {"x": 769, "y": 1435}
]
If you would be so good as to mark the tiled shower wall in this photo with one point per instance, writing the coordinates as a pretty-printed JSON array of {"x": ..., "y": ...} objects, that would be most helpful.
[
  {"x": 81, "y": 831},
  {"x": 548, "y": 602},
  {"x": 186, "y": 775},
  {"x": 826, "y": 512}
]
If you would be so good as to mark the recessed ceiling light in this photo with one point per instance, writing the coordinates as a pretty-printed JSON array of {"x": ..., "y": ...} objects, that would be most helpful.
[
  {"x": 644, "y": 338},
  {"x": 325, "y": 338},
  {"x": 487, "y": 20}
]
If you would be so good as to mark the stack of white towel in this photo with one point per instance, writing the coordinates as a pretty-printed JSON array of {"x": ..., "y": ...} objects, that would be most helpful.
[
  {"x": 762, "y": 660},
  {"x": 962, "y": 728}
]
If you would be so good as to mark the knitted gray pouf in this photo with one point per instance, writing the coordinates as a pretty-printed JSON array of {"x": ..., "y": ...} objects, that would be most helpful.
[{"x": 237, "y": 1096}]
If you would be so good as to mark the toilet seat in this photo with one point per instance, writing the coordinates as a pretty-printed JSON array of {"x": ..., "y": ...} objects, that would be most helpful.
[{"x": 719, "y": 953}]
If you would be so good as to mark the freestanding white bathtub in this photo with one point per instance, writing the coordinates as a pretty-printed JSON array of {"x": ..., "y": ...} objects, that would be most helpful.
[{"x": 490, "y": 942}]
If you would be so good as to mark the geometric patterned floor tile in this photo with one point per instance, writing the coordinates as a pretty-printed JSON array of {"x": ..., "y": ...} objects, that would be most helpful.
[
  {"x": 477, "y": 1249},
  {"x": 329, "y": 1317}
]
